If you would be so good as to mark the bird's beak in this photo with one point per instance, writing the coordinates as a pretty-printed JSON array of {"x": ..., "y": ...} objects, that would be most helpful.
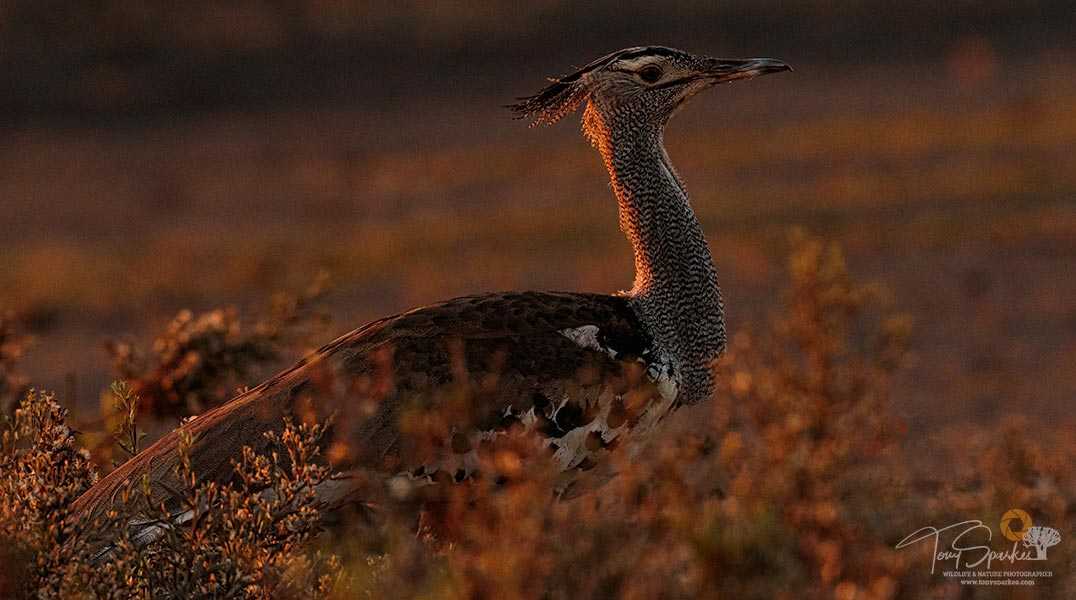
[{"x": 723, "y": 70}]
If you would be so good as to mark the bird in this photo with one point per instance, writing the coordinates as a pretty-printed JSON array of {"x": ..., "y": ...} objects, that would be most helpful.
[{"x": 580, "y": 371}]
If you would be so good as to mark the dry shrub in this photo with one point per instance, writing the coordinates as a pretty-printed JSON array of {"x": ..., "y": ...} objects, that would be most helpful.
[
  {"x": 810, "y": 447},
  {"x": 42, "y": 472},
  {"x": 239, "y": 540},
  {"x": 244, "y": 539},
  {"x": 200, "y": 360}
]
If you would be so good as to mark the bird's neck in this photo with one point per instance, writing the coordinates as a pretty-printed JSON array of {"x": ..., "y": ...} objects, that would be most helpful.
[{"x": 676, "y": 287}]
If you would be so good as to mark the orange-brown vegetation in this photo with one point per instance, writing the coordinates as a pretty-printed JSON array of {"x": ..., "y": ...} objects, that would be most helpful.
[
  {"x": 242, "y": 540},
  {"x": 795, "y": 482}
]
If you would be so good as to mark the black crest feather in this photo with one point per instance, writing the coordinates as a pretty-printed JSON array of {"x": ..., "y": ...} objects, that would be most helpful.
[
  {"x": 562, "y": 96},
  {"x": 552, "y": 103}
]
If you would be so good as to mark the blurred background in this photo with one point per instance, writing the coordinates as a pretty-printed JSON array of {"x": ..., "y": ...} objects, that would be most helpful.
[{"x": 157, "y": 156}]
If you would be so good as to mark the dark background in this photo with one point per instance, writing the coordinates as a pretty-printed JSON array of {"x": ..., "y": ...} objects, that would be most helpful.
[{"x": 112, "y": 59}]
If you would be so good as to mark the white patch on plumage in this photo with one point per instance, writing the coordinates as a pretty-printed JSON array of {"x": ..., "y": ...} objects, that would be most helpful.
[
  {"x": 587, "y": 337},
  {"x": 571, "y": 448},
  {"x": 528, "y": 418},
  {"x": 663, "y": 373}
]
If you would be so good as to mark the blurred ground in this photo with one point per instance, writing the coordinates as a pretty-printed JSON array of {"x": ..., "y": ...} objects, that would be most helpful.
[{"x": 148, "y": 165}]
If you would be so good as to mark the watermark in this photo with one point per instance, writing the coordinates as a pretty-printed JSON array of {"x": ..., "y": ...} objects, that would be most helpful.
[{"x": 964, "y": 550}]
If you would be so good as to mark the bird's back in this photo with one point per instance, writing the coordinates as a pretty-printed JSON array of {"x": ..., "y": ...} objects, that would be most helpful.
[{"x": 570, "y": 367}]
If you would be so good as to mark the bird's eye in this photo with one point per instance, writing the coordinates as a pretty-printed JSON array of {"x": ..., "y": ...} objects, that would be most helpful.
[{"x": 650, "y": 74}]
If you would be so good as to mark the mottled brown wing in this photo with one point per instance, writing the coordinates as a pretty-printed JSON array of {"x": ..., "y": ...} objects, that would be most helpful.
[{"x": 476, "y": 363}]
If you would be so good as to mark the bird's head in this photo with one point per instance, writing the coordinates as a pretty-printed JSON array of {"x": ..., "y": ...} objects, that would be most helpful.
[{"x": 645, "y": 84}]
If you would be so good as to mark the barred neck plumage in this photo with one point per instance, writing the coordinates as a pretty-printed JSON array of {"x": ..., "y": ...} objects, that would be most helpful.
[{"x": 676, "y": 289}]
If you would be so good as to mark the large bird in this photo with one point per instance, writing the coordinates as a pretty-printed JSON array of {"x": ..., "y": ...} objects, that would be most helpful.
[{"x": 581, "y": 371}]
